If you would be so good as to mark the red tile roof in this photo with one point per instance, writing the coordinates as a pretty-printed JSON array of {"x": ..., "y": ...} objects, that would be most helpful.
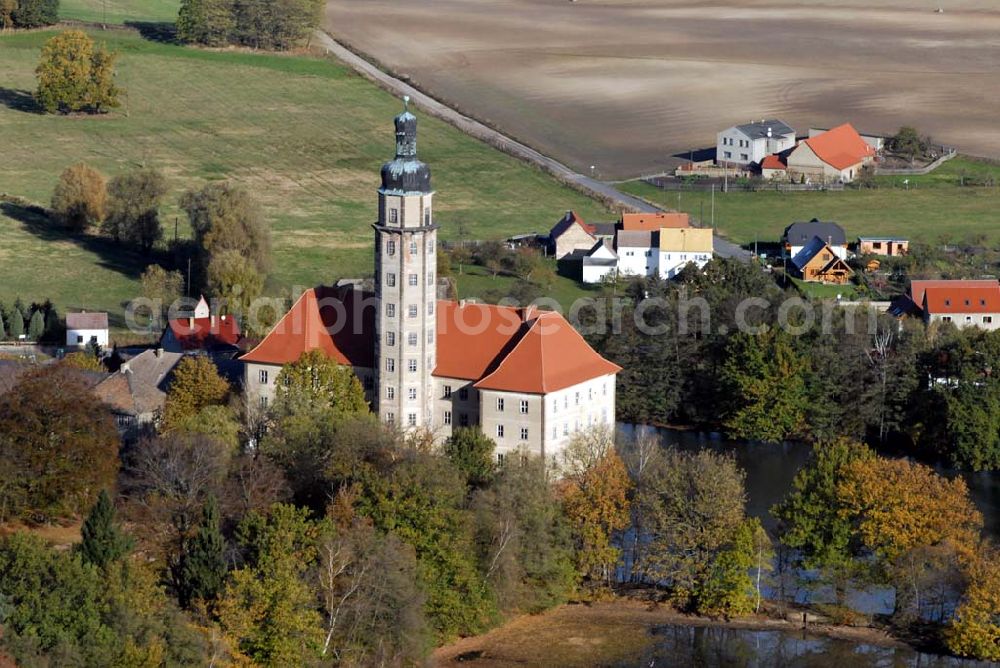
[
  {"x": 918, "y": 287},
  {"x": 515, "y": 349},
  {"x": 654, "y": 221},
  {"x": 840, "y": 147},
  {"x": 323, "y": 318},
  {"x": 567, "y": 221},
  {"x": 773, "y": 162},
  {"x": 472, "y": 337},
  {"x": 199, "y": 333},
  {"x": 549, "y": 356},
  {"x": 962, "y": 300}
]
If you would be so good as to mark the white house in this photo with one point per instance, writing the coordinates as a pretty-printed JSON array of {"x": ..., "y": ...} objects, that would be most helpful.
[
  {"x": 751, "y": 142},
  {"x": 636, "y": 252},
  {"x": 85, "y": 328},
  {"x": 679, "y": 247}
]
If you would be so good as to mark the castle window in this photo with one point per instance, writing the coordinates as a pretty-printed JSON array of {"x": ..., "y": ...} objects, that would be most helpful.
[
  {"x": 411, "y": 393},
  {"x": 447, "y": 417},
  {"x": 411, "y": 338},
  {"x": 987, "y": 319},
  {"x": 499, "y": 431},
  {"x": 390, "y": 247},
  {"x": 430, "y": 278},
  {"x": 390, "y": 310},
  {"x": 524, "y": 433},
  {"x": 555, "y": 431},
  {"x": 390, "y": 364},
  {"x": 555, "y": 405},
  {"x": 263, "y": 376},
  {"x": 390, "y": 279},
  {"x": 412, "y": 365},
  {"x": 390, "y": 338},
  {"x": 412, "y": 310},
  {"x": 393, "y": 216},
  {"x": 565, "y": 428},
  {"x": 430, "y": 336},
  {"x": 463, "y": 393},
  {"x": 463, "y": 420},
  {"x": 500, "y": 459},
  {"x": 413, "y": 279},
  {"x": 263, "y": 402},
  {"x": 590, "y": 393},
  {"x": 524, "y": 405},
  {"x": 577, "y": 398},
  {"x": 411, "y": 419},
  {"x": 500, "y": 404},
  {"x": 430, "y": 308},
  {"x": 604, "y": 389},
  {"x": 413, "y": 248},
  {"x": 427, "y": 215},
  {"x": 430, "y": 247},
  {"x": 390, "y": 392},
  {"x": 390, "y": 419},
  {"x": 447, "y": 391}
]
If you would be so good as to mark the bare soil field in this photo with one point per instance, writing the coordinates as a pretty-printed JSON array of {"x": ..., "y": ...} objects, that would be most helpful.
[{"x": 625, "y": 84}]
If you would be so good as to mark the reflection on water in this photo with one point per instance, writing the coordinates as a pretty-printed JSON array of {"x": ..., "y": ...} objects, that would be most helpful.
[
  {"x": 713, "y": 646},
  {"x": 770, "y": 468}
]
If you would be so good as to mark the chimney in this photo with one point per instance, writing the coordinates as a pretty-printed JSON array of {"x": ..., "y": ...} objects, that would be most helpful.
[
  {"x": 212, "y": 322},
  {"x": 159, "y": 352},
  {"x": 125, "y": 368},
  {"x": 190, "y": 323},
  {"x": 769, "y": 133}
]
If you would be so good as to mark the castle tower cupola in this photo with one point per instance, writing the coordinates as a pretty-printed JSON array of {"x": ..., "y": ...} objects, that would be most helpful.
[{"x": 405, "y": 174}]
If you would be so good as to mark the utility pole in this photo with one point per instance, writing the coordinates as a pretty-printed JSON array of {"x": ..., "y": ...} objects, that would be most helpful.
[
  {"x": 713, "y": 205},
  {"x": 188, "y": 286}
]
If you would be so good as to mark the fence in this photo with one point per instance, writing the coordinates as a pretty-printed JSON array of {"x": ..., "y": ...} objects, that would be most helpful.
[
  {"x": 918, "y": 171},
  {"x": 741, "y": 185}
]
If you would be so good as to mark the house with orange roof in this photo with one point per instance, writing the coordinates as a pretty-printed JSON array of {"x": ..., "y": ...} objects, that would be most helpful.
[
  {"x": 526, "y": 377},
  {"x": 652, "y": 222},
  {"x": 568, "y": 235},
  {"x": 964, "y": 303},
  {"x": 201, "y": 330},
  {"x": 836, "y": 155}
]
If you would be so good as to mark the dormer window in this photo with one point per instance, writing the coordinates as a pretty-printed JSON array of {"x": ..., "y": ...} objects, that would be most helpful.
[{"x": 967, "y": 302}]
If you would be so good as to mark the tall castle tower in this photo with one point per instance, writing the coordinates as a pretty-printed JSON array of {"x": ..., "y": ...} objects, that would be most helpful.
[{"x": 405, "y": 284}]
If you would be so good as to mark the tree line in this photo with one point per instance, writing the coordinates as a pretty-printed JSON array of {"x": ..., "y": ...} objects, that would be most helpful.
[
  {"x": 259, "y": 24},
  {"x": 38, "y": 322},
  {"x": 930, "y": 392},
  {"x": 28, "y": 13},
  {"x": 307, "y": 533},
  {"x": 229, "y": 251}
]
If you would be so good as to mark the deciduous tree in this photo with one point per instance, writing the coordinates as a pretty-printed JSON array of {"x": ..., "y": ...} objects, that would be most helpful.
[
  {"x": 80, "y": 197},
  {"x": 75, "y": 75},
  {"x": 471, "y": 451},
  {"x": 196, "y": 384},
  {"x": 319, "y": 380},
  {"x": 974, "y": 630},
  {"x": 133, "y": 208},
  {"x": 33, "y": 13},
  {"x": 208, "y": 22},
  {"x": 58, "y": 445}
]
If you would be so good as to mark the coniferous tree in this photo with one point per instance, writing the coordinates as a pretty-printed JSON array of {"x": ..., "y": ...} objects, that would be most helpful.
[
  {"x": 16, "y": 323},
  {"x": 3, "y": 331},
  {"x": 203, "y": 573},
  {"x": 53, "y": 326},
  {"x": 36, "y": 326},
  {"x": 103, "y": 542}
]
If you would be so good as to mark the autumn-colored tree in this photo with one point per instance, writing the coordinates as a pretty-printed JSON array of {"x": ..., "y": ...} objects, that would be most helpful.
[
  {"x": 83, "y": 361},
  {"x": 318, "y": 380},
  {"x": 7, "y": 9},
  {"x": 134, "y": 208},
  {"x": 974, "y": 630},
  {"x": 75, "y": 75},
  {"x": 80, "y": 197},
  {"x": 58, "y": 445},
  {"x": 896, "y": 505},
  {"x": 595, "y": 500},
  {"x": 196, "y": 384}
]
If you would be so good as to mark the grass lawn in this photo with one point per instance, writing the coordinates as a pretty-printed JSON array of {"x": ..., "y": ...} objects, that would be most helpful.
[
  {"x": 935, "y": 207},
  {"x": 304, "y": 134},
  {"x": 824, "y": 291},
  {"x": 119, "y": 11},
  {"x": 476, "y": 282}
]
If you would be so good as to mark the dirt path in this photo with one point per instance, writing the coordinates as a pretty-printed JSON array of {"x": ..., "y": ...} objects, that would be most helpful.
[{"x": 600, "y": 189}]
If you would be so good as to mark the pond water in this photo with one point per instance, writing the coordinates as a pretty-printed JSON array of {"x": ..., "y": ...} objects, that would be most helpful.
[
  {"x": 770, "y": 468},
  {"x": 712, "y": 646}
]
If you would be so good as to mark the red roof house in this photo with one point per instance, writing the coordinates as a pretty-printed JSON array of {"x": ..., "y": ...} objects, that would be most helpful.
[{"x": 837, "y": 154}]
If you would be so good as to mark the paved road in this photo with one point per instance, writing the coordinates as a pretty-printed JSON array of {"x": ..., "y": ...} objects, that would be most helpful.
[{"x": 487, "y": 134}]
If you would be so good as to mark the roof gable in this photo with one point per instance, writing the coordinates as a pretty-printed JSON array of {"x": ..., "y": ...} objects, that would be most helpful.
[
  {"x": 812, "y": 248},
  {"x": 549, "y": 356},
  {"x": 840, "y": 147},
  {"x": 199, "y": 333},
  {"x": 567, "y": 222}
]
